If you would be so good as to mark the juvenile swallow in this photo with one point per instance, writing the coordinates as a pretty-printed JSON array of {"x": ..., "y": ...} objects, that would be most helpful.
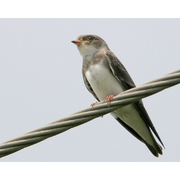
[{"x": 105, "y": 76}]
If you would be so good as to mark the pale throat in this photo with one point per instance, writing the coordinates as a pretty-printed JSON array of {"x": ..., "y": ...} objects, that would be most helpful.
[{"x": 89, "y": 50}]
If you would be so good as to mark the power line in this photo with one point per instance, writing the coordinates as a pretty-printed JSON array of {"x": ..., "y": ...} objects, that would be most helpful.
[{"x": 81, "y": 117}]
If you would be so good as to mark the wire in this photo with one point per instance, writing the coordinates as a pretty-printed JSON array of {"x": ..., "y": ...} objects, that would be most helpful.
[{"x": 81, "y": 117}]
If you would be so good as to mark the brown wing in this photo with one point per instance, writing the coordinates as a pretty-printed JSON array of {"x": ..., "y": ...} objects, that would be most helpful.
[{"x": 125, "y": 80}]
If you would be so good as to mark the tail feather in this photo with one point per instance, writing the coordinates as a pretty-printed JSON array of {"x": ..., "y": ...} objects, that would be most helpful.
[{"x": 155, "y": 149}]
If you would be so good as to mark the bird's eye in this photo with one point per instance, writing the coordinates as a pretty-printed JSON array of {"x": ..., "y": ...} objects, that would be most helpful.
[{"x": 90, "y": 38}]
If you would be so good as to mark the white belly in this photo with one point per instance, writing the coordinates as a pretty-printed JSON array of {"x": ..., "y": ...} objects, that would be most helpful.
[{"x": 103, "y": 82}]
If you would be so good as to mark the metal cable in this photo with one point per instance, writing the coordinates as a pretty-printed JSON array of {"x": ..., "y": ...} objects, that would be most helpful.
[{"x": 88, "y": 114}]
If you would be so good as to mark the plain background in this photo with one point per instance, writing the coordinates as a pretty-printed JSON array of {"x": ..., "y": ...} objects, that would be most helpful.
[{"x": 41, "y": 82}]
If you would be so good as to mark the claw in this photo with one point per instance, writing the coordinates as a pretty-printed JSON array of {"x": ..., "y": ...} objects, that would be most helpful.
[
  {"x": 93, "y": 104},
  {"x": 109, "y": 98}
]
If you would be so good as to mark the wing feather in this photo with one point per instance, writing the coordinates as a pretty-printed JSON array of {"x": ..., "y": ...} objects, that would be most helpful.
[{"x": 121, "y": 74}]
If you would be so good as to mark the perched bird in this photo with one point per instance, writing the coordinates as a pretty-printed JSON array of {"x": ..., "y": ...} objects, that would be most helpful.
[{"x": 105, "y": 76}]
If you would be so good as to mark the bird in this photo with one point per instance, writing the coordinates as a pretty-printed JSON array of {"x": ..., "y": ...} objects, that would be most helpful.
[{"x": 105, "y": 76}]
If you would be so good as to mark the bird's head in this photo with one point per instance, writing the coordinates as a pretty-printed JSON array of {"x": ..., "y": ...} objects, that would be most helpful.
[{"x": 89, "y": 44}]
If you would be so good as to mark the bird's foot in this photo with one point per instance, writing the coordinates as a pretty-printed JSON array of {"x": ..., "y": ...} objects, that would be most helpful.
[
  {"x": 109, "y": 98},
  {"x": 93, "y": 104}
]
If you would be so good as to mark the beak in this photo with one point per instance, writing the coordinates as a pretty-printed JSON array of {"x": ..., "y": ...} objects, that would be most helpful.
[{"x": 77, "y": 42}]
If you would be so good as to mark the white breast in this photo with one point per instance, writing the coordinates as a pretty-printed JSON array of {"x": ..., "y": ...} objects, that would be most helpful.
[{"x": 102, "y": 81}]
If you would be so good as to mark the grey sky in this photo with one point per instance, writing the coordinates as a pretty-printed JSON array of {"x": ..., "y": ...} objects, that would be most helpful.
[{"x": 41, "y": 81}]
